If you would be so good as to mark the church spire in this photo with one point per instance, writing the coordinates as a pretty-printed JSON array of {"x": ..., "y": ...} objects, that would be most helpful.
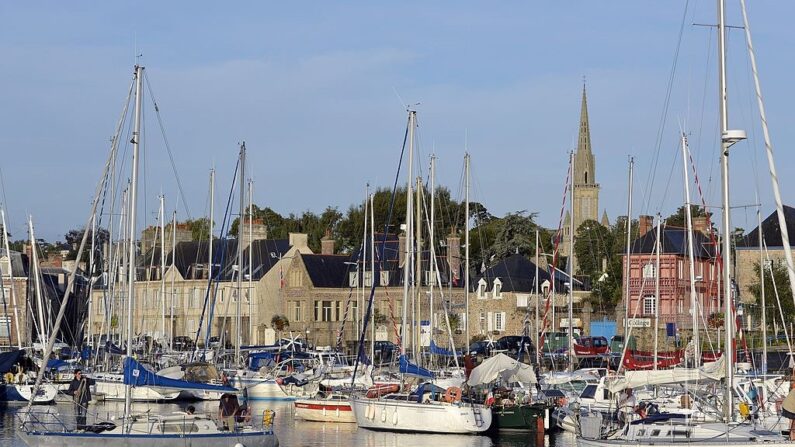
[{"x": 584, "y": 140}]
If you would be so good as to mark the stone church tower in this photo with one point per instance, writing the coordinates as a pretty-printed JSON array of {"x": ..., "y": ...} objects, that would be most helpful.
[{"x": 586, "y": 190}]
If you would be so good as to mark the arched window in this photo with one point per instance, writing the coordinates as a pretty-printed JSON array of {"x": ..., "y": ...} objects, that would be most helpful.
[{"x": 586, "y": 177}]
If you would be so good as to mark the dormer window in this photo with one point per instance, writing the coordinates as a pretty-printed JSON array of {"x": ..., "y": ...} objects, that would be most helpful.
[
  {"x": 497, "y": 288},
  {"x": 482, "y": 289}
]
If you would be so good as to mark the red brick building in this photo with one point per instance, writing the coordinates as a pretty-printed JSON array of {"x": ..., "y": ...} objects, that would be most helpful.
[{"x": 674, "y": 274}]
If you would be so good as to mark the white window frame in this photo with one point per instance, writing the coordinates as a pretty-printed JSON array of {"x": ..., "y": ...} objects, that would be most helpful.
[
  {"x": 497, "y": 290},
  {"x": 353, "y": 279},
  {"x": 649, "y": 304},
  {"x": 482, "y": 295},
  {"x": 368, "y": 278},
  {"x": 384, "y": 279},
  {"x": 649, "y": 270},
  {"x": 499, "y": 321},
  {"x": 522, "y": 300}
]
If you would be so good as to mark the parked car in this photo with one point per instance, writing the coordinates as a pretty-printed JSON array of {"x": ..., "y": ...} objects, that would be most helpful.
[
  {"x": 183, "y": 343},
  {"x": 513, "y": 345},
  {"x": 591, "y": 346}
]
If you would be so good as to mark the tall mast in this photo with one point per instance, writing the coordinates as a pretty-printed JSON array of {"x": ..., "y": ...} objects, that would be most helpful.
[
  {"x": 728, "y": 138},
  {"x": 361, "y": 299},
  {"x": 466, "y": 248},
  {"x": 43, "y": 333},
  {"x": 372, "y": 269},
  {"x": 250, "y": 258},
  {"x": 409, "y": 235},
  {"x": 691, "y": 255},
  {"x": 242, "y": 188},
  {"x": 210, "y": 232},
  {"x": 173, "y": 278},
  {"x": 431, "y": 244},
  {"x": 11, "y": 278},
  {"x": 570, "y": 315},
  {"x": 136, "y": 139},
  {"x": 536, "y": 328},
  {"x": 162, "y": 218},
  {"x": 91, "y": 279},
  {"x": 657, "y": 290},
  {"x": 762, "y": 266},
  {"x": 628, "y": 227},
  {"x": 416, "y": 303}
]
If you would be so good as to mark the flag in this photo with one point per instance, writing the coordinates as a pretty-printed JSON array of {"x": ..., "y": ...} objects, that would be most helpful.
[{"x": 281, "y": 277}]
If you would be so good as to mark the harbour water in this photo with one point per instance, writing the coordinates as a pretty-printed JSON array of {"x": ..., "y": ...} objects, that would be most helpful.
[{"x": 295, "y": 432}]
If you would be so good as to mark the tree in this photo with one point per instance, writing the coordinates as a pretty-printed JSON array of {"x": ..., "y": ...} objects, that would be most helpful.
[
  {"x": 781, "y": 281},
  {"x": 280, "y": 322},
  {"x": 679, "y": 218},
  {"x": 516, "y": 235},
  {"x": 73, "y": 239},
  {"x": 199, "y": 228}
]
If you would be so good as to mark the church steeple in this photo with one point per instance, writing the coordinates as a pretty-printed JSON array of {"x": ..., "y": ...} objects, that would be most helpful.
[{"x": 584, "y": 140}]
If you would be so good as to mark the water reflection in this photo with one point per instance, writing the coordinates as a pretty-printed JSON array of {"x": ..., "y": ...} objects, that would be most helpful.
[{"x": 295, "y": 432}]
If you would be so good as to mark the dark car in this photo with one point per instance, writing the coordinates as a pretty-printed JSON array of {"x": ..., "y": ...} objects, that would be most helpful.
[
  {"x": 514, "y": 345},
  {"x": 482, "y": 348},
  {"x": 183, "y": 343},
  {"x": 385, "y": 351}
]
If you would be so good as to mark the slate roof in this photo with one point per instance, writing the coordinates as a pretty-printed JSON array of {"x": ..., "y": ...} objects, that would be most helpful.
[
  {"x": 265, "y": 253},
  {"x": 673, "y": 240},
  {"x": 19, "y": 263},
  {"x": 517, "y": 274},
  {"x": 771, "y": 231},
  {"x": 328, "y": 270}
]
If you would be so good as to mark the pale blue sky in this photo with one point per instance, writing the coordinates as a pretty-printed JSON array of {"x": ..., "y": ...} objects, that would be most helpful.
[{"x": 311, "y": 88}]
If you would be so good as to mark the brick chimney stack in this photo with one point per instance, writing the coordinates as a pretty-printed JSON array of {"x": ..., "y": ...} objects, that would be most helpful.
[
  {"x": 645, "y": 223},
  {"x": 327, "y": 244}
]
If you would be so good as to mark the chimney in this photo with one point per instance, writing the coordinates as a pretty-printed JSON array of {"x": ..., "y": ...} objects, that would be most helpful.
[
  {"x": 454, "y": 254},
  {"x": 645, "y": 223},
  {"x": 258, "y": 231},
  {"x": 299, "y": 241},
  {"x": 327, "y": 244},
  {"x": 700, "y": 224}
]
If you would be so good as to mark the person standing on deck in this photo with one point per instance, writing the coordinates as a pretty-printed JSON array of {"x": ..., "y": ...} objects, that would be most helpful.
[{"x": 80, "y": 390}]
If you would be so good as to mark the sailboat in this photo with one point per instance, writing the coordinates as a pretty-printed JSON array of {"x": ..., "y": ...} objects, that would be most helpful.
[{"x": 44, "y": 428}]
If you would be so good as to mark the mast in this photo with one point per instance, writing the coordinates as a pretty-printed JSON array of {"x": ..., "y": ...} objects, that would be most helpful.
[
  {"x": 43, "y": 333},
  {"x": 250, "y": 258},
  {"x": 372, "y": 269},
  {"x": 90, "y": 279},
  {"x": 242, "y": 188},
  {"x": 466, "y": 249},
  {"x": 627, "y": 267},
  {"x": 570, "y": 315},
  {"x": 431, "y": 244},
  {"x": 162, "y": 219},
  {"x": 762, "y": 292},
  {"x": 657, "y": 290},
  {"x": 361, "y": 299},
  {"x": 536, "y": 328},
  {"x": 139, "y": 74},
  {"x": 770, "y": 161},
  {"x": 416, "y": 303},
  {"x": 409, "y": 235},
  {"x": 210, "y": 233},
  {"x": 11, "y": 278},
  {"x": 173, "y": 278},
  {"x": 691, "y": 257},
  {"x": 728, "y": 138}
]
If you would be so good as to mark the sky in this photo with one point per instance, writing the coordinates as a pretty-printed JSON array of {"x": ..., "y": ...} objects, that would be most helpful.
[{"x": 319, "y": 90}]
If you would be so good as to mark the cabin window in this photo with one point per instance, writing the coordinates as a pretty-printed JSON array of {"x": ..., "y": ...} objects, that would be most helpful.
[
  {"x": 655, "y": 432},
  {"x": 649, "y": 305},
  {"x": 589, "y": 392}
]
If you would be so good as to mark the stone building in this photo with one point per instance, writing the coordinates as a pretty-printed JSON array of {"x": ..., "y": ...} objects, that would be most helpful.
[
  {"x": 13, "y": 313},
  {"x": 181, "y": 292},
  {"x": 747, "y": 256}
]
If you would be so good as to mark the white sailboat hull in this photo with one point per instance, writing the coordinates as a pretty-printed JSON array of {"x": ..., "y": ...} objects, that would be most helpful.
[
  {"x": 253, "y": 439},
  {"x": 383, "y": 414},
  {"x": 323, "y": 410},
  {"x": 114, "y": 391},
  {"x": 24, "y": 393}
]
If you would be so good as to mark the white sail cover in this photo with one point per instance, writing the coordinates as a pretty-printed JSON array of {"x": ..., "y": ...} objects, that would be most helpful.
[
  {"x": 713, "y": 371},
  {"x": 503, "y": 367}
]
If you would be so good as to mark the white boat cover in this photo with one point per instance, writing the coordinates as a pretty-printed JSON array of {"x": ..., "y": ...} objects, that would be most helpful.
[
  {"x": 713, "y": 371},
  {"x": 503, "y": 367},
  {"x": 559, "y": 378}
]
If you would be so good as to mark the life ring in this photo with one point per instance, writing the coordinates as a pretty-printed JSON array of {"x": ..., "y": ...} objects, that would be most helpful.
[
  {"x": 562, "y": 401},
  {"x": 453, "y": 394}
]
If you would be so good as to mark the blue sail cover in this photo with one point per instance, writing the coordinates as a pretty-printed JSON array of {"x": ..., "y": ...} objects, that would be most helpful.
[
  {"x": 136, "y": 374},
  {"x": 8, "y": 359},
  {"x": 407, "y": 367},
  {"x": 436, "y": 350}
]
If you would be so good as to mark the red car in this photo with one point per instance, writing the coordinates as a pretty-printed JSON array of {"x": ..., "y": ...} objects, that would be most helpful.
[{"x": 591, "y": 346}]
